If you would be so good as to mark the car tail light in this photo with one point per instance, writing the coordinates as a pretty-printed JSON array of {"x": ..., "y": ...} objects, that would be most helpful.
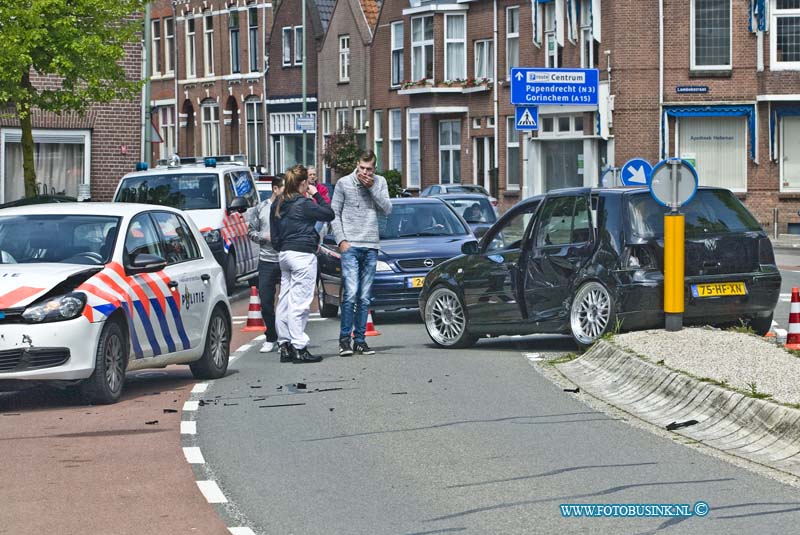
[
  {"x": 765, "y": 253},
  {"x": 639, "y": 257}
]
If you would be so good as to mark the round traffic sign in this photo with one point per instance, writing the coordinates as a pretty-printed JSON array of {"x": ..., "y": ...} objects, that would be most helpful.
[
  {"x": 677, "y": 191},
  {"x": 636, "y": 172}
]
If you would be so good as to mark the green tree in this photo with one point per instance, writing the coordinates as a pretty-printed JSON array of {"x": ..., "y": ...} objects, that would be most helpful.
[
  {"x": 78, "y": 45},
  {"x": 342, "y": 151}
]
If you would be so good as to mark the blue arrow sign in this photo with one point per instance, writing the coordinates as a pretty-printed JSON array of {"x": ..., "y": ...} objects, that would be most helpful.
[
  {"x": 554, "y": 86},
  {"x": 636, "y": 172},
  {"x": 526, "y": 118}
]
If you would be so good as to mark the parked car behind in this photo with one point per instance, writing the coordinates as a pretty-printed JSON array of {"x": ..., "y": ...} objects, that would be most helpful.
[
  {"x": 417, "y": 235},
  {"x": 476, "y": 210},
  {"x": 588, "y": 261},
  {"x": 440, "y": 189},
  {"x": 39, "y": 199}
]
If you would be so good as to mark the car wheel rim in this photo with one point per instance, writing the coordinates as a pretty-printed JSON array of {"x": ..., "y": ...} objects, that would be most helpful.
[
  {"x": 591, "y": 311},
  {"x": 444, "y": 317},
  {"x": 320, "y": 295},
  {"x": 219, "y": 341},
  {"x": 112, "y": 357}
]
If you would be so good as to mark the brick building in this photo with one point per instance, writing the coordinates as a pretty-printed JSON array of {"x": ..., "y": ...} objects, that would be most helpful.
[
  {"x": 344, "y": 67},
  {"x": 80, "y": 156}
]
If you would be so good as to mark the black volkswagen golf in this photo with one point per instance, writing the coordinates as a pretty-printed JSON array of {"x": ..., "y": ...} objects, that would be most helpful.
[{"x": 587, "y": 261}]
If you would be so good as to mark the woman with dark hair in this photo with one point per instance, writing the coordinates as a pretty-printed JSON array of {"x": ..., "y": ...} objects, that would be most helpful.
[{"x": 292, "y": 220}]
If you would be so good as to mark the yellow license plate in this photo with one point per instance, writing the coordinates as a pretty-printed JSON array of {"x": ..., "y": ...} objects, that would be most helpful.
[
  {"x": 415, "y": 282},
  {"x": 719, "y": 288}
]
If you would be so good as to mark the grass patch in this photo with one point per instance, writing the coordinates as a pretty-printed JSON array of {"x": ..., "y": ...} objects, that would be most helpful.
[
  {"x": 715, "y": 382},
  {"x": 611, "y": 333},
  {"x": 561, "y": 360},
  {"x": 752, "y": 391},
  {"x": 743, "y": 328}
]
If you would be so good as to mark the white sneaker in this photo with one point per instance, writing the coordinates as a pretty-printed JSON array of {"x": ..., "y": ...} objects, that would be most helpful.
[{"x": 267, "y": 347}]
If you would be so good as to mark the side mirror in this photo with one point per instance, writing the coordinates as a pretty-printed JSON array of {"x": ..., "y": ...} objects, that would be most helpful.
[
  {"x": 238, "y": 204},
  {"x": 470, "y": 247},
  {"x": 480, "y": 232},
  {"x": 145, "y": 263}
]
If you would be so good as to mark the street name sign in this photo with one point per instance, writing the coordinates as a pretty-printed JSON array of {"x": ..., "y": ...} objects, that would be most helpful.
[
  {"x": 306, "y": 122},
  {"x": 554, "y": 86}
]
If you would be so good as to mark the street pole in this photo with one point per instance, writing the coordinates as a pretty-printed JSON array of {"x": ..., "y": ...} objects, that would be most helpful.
[
  {"x": 674, "y": 255},
  {"x": 304, "y": 80},
  {"x": 176, "y": 120},
  {"x": 148, "y": 121}
]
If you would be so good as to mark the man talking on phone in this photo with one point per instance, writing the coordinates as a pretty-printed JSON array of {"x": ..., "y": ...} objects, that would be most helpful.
[{"x": 358, "y": 200}]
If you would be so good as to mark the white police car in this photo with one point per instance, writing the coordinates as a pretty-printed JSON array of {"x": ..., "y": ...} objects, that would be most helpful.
[
  {"x": 215, "y": 192},
  {"x": 88, "y": 292}
]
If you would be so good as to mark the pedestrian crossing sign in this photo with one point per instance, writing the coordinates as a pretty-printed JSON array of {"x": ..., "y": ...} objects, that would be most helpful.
[{"x": 527, "y": 118}]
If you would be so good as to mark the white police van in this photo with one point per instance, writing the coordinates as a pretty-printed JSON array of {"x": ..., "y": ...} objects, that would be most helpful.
[{"x": 215, "y": 192}]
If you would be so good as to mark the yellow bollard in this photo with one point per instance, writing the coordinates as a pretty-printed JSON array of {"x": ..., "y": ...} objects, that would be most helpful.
[{"x": 673, "y": 271}]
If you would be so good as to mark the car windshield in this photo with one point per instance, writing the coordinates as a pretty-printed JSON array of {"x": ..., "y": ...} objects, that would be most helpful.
[
  {"x": 65, "y": 239},
  {"x": 467, "y": 188},
  {"x": 420, "y": 219},
  {"x": 473, "y": 210},
  {"x": 709, "y": 212},
  {"x": 186, "y": 192}
]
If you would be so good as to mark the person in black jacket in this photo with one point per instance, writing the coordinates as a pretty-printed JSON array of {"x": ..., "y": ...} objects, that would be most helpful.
[{"x": 292, "y": 220}]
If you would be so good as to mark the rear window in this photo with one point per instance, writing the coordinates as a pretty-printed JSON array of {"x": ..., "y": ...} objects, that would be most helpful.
[
  {"x": 186, "y": 192},
  {"x": 710, "y": 212}
]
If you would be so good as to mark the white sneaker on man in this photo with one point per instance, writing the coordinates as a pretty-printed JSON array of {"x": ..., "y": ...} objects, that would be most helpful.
[{"x": 267, "y": 347}]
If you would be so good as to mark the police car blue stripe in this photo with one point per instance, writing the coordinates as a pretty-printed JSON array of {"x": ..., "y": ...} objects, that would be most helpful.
[
  {"x": 176, "y": 315},
  {"x": 148, "y": 328},
  {"x": 137, "y": 349},
  {"x": 106, "y": 309},
  {"x": 162, "y": 320}
]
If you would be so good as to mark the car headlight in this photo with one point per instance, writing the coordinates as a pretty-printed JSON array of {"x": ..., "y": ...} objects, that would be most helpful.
[
  {"x": 382, "y": 266},
  {"x": 63, "y": 307},
  {"x": 212, "y": 236}
]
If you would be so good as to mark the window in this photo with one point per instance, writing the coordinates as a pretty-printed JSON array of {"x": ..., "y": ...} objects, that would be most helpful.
[
  {"x": 179, "y": 244},
  {"x": 344, "y": 58},
  {"x": 550, "y": 22},
  {"x": 414, "y": 168},
  {"x": 396, "y": 140},
  {"x": 564, "y": 220},
  {"x": 299, "y": 45},
  {"x": 450, "y": 152},
  {"x": 208, "y": 44},
  {"x": 233, "y": 29},
  {"x": 711, "y": 34},
  {"x": 191, "y": 55},
  {"x": 326, "y": 122},
  {"x": 588, "y": 55},
  {"x": 377, "y": 129},
  {"x": 422, "y": 48},
  {"x": 360, "y": 126},
  {"x": 155, "y": 53},
  {"x": 510, "y": 234},
  {"x": 719, "y": 148},
  {"x": 342, "y": 118},
  {"x": 512, "y": 155},
  {"x": 561, "y": 125},
  {"x": 166, "y": 121},
  {"x": 397, "y": 53},
  {"x": 210, "y": 121},
  {"x": 252, "y": 25},
  {"x": 784, "y": 36},
  {"x": 512, "y": 39},
  {"x": 455, "y": 44},
  {"x": 142, "y": 238},
  {"x": 287, "y": 47},
  {"x": 254, "y": 115},
  {"x": 790, "y": 152},
  {"x": 169, "y": 45},
  {"x": 484, "y": 59}
]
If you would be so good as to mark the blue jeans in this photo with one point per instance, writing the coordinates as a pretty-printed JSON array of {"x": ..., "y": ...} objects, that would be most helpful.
[{"x": 358, "y": 270}]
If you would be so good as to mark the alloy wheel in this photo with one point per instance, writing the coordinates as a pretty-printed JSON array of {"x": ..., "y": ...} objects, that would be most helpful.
[
  {"x": 590, "y": 313},
  {"x": 114, "y": 363},
  {"x": 444, "y": 317},
  {"x": 219, "y": 340}
]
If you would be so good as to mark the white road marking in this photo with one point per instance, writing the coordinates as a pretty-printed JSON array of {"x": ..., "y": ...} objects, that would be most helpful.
[
  {"x": 241, "y": 531},
  {"x": 211, "y": 492},
  {"x": 188, "y": 427},
  {"x": 191, "y": 406},
  {"x": 199, "y": 388},
  {"x": 193, "y": 455}
]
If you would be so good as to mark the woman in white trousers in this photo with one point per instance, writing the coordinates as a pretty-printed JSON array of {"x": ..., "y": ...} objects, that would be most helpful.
[{"x": 292, "y": 219}]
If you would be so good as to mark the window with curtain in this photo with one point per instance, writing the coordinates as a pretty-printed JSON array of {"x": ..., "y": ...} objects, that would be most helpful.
[
  {"x": 344, "y": 58},
  {"x": 512, "y": 155},
  {"x": 208, "y": 44},
  {"x": 166, "y": 121},
  {"x": 233, "y": 31},
  {"x": 396, "y": 140},
  {"x": 711, "y": 34},
  {"x": 397, "y": 53},
  {"x": 342, "y": 118},
  {"x": 455, "y": 44},
  {"x": 414, "y": 167},
  {"x": 484, "y": 59},
  {"x": 785, "y": 35},
  {"x": 155, "y": 52},
  {"x": 191, "y": 54},
  {"x": 210, "y": 120},
  {"x": 450, "y": 152},
  {"x": 287, "y": 47},
  {"x": 252, "y": 25},
  {"x": 360, "y": 126},
  {"x": 377, "y": 128},
  {"x": 254, "y": 116},
  {"x": 298, "y": 45},
  {"x": 551, "y": 53},
  {"x": 169, "y": 45},
  {"x": 422, "y": 48},
  {"x": 719, "y": 147},
  {"x": 512, "y": 39},
  {"x": 790, "y": 149}
]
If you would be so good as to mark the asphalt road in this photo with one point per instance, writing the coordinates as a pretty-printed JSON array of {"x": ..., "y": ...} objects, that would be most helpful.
[{"x": 419, "y": 440}]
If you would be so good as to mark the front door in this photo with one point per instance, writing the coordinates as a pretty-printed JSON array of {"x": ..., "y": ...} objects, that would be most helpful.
[
  {"x": 561, "y": 245},
  {"x": 484, "y": 162}
]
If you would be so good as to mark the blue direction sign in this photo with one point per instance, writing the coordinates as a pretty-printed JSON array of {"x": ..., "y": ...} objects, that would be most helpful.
[
  {"x": 527, "y": 118},
  {"x": 554, "y": 86},
  {"x": 636, "y": 172}
]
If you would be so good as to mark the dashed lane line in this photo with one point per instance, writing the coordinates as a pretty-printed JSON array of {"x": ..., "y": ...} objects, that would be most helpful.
[{"x": 212, "y": 492}]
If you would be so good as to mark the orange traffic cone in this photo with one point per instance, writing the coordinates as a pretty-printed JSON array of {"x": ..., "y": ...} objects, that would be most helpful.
[
  {"x": 371, "y": 326},
  {"x": 255, "y": 322},
  {"x": 793, "y": 336}
]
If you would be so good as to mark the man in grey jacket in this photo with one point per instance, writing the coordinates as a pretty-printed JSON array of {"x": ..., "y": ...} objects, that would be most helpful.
[
  {"x": 269, "y": 271},
  {"x": 357, "y": 201}
]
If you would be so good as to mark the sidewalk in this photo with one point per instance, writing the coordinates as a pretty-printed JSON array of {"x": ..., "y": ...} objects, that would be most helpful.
[{"x": 786, "y": 242}]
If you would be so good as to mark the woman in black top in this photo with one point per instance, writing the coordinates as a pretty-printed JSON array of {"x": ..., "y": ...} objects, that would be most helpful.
[{"x": 292, "y": 219}]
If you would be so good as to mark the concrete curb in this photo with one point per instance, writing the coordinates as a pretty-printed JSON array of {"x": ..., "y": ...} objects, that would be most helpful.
[{"x": 757, "y": 430}]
